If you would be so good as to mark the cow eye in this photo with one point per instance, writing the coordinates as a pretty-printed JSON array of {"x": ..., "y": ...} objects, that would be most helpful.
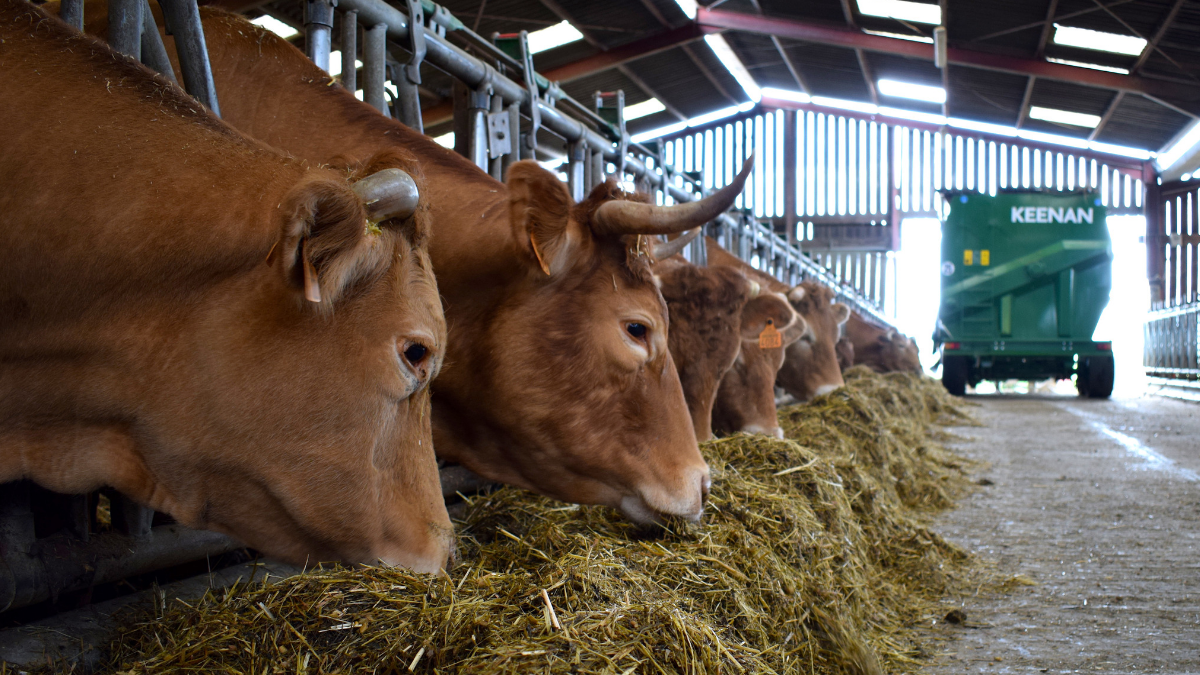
[
  {"x": 415, "y": 353},
  {"x": 637, "y": 330}
]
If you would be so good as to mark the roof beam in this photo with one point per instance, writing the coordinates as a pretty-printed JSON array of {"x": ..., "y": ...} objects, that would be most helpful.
[
  {"x": 620, "y": 55},
  {"x": 822, "y": 34},
  {"x": 1035, "y": 24},
  {"x": 863, "y": 65},
  {"x": 1152, "y": 45},
  {"x": 1108, "y": 113},
  {"x": 561, "y": 13},
  {"x": 1047, "y": 27},
  {"x": 1026, "y": 100}
]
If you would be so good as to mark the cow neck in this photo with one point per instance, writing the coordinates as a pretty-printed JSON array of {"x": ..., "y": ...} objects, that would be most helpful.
[{"x": 288, "y": 102}]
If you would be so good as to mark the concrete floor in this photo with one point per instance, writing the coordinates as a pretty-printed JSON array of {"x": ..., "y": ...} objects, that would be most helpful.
[{"x": 1099, "y": 503}]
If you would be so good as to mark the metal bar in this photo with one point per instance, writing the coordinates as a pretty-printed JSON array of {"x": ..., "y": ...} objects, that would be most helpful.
[
  {"x": 624, "y": 54},
  {"x": 1108, "y": 113},
  {"x": 71, "y": 12},
  {"x": 154, "y": 54},
  {"x": 576, "y": 165},
  {"x": 822, "y": 34},
  {"x": 182, "y": 19},
  {"x": 790, "y": 175},
  {"x": 375, "y": 66},
  {"x": 1152, "y": 44},
  {"x": 1025, "y": 101},
  {"x": 318, "y": 31},
  {"x": 1047, "y": 27},
  {"x": 350, "y": 50},
  {"x": 125, "y": 27}
]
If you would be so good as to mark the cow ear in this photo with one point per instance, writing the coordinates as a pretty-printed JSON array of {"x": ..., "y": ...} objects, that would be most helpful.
[
  {"x": 767, "y": 306},
  {"x": 324, "y": 245},
  {"x": 539, "y": 209},
  {"x": 841, "y": 313}
]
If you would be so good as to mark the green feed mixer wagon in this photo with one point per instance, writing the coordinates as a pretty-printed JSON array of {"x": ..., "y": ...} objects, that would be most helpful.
[{"x": 1025, "y": 276}]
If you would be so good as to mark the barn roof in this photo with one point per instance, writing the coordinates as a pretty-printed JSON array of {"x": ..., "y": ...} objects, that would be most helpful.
[{"x": 1004, "y": 60}]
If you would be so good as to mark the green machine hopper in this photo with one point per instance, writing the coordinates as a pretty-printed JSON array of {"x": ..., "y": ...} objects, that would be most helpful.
[{"x": 1025, "y": 277}]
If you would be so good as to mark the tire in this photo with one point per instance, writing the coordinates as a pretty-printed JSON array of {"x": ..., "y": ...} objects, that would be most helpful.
[
  {"x": 1098, "y": 375},
  {"x": 954, "y": 374}
]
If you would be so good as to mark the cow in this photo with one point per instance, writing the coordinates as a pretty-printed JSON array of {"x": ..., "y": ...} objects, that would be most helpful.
[
  {"x": 883, "y": 350},
  {"x": 558, "y": 378},
  {"x": 845, "y": 352},
  {"x": 717, "y": 316},
  {"x": 810, "y": 367},
  {"x": 219, "y": 332}
]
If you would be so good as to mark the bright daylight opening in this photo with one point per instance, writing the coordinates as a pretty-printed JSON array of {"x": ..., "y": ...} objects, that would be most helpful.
[
  {"x": 1098, "y": 40},
  {"x": 445, "y": 140},
  {"x": 917, "y": 92},
  {"x": 1064, "y": 117},
  {"x": 555, "y": 36},
  {"x": 918, "y": 274},
  {"x": 633, "y": 112},
  {"x": 1093, "y": 66},
  {"x": 335, "y": 62},
  {"x": 734, "y": 65},
  {"x": 900, "y": 36},
  {"x": 276, "y": 26},
  {"x": 917, "y": 12}
]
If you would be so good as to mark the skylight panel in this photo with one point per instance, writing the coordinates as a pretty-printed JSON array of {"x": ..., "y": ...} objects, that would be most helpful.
[
  {"x": 555, "y": 36},
  {"x": 688, "y": 7},
  {"x": 900, "y": 36},
  {"x": 1093, "y": 66},
  {"x": 786, "y": 95},
  {"x": 1064, "y": 117},
  {"x": 637, "y": 110},
  {"x": 734, "y": 65},
  {"x": 917, "y": 92},
  {"x": 1173, "y": 154},
  {"x": 276, "y": 26},
  {"x": 1098, "y": 40},
  {"x": 916, "y": 12}
]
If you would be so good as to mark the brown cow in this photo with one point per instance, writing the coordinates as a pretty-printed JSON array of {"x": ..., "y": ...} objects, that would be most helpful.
[
  {"x": 746, "y": 398},
  {"x": 883, "y": 350},
  {"x": 558, "y": 377},
  {"x": 845, "y": 353},
  {"x": 155, "y": 334},
  {"x": 810, "y": 367},
  {"x": 715, "y": 312}
]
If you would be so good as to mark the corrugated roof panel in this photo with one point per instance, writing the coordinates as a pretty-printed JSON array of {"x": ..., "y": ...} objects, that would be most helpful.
[
  {"x": 1142, "y": 123},
  {"x": 810, "y": 10},
  {"x": 1071, "y": 97},
  {"x": 995, "y": 99},
  {"x": 830, "y": 71},
  {"x": 970, "y": 21},
  {"x": 762, "y": 59}
]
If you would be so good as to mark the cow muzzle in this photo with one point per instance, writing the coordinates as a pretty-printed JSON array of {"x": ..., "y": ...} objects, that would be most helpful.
[{"x": 654, "y": 505}]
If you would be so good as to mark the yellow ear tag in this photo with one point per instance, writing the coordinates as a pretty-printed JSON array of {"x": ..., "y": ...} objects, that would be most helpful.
[
  {"x": 770, "y": 338},
  {"x": 538, "y": 254}
]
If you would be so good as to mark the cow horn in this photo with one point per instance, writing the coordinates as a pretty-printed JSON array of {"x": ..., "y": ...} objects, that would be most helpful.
[
  {"x": 666, "y": 249},
  {"x": 390, "y": 193},
  {"x": 755, "y": 288},
  {"x": 626, "y": 217}
]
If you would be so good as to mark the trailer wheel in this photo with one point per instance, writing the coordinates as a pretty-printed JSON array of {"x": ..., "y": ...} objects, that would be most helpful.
[
  {"x": 1096, "y": 377},
  {"x": 954, "y": 374}
]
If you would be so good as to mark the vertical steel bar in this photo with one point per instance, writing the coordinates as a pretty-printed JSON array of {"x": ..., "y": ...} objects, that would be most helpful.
[
  {"x": 496, "y": 163},
  {"x": 318, "y": 31},
  {"x": 790, "y": 184},
  {"x": 182, "y": 18},
  {"x": 514, "y": 135},
  {"x": 350, "y": 51},
  {"x": 598, "y": 170},
  {"x": 71, "y": 12},
  {"x": 477, "y": 122},
  {"x": 576, "y": 164},
  {"x": 154, "y": 54},
  {"x": 375, "y": 67},
  {"x": 125, "y": 27}
]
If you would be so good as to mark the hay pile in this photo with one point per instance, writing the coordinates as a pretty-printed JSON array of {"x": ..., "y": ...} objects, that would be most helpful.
[{"x": 809, "y": 561}]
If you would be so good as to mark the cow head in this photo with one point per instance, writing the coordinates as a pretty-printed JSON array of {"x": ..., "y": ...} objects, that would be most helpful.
[
  {"x": 584, "y": 401},
  {"x": 845, "y": 353},
  {"x": 811, "y": 367},
  {"x": 705, "y": 306},
  {"x": 746, "y": 397},
  {"x": 308, "y": 400},
  {"x": 883, "y": 350}
]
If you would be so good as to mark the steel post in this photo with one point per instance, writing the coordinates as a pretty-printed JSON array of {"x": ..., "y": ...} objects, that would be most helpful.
[
  {"x": 125, "y": 26},
  {"x": 375, "y": 66},
  {"x": 154, "y": 54},
  {"x": 71, "y": 12},
  {"x": 318, "y": 30},
  {"x": 182, "y": 18},
  {"x": 350, "y": 50},
  {"x": 576, "y": 164}
]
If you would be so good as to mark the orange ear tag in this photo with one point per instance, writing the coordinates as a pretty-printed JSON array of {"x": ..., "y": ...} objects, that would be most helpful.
[{"x": 770, "y": 338}]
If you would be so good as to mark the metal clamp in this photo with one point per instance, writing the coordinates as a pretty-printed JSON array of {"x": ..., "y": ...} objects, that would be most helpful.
[
  {"x": 416, "y": 41},
  {"x": 438, "y": 18}
]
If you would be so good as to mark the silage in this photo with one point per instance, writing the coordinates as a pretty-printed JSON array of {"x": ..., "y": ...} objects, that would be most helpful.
[{"x": 809, "y": 559}]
